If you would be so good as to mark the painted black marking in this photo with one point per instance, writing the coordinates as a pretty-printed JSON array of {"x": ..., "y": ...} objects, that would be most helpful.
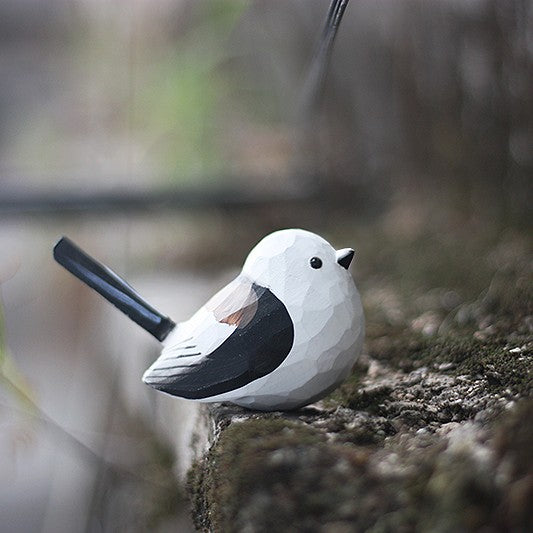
[
  {"x": 184, "y": 355},
  {"x": 246, "y": 355},
  {"x": 113, "y": 288},
  {"x": 175, "y": 366}
]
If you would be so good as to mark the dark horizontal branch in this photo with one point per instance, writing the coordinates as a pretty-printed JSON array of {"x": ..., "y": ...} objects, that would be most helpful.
[{"x": 18, "y": 201}]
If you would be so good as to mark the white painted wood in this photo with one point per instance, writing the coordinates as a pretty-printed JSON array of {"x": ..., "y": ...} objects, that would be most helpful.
[{"x": 326, "y": 313}]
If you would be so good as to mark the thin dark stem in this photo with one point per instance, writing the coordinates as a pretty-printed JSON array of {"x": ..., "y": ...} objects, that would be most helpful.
[
  {"x": 102, "y": 469},
  {"x": 316, "y": 77}
]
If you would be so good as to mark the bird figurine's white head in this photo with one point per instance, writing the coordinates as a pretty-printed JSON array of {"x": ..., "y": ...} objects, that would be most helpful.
[
  {"x": 295, "y": 260},
  {"x": 283, "y": 334}
]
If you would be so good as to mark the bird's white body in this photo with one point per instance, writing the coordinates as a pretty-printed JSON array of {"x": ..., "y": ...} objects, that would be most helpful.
[{"x": 323, "y": 305}]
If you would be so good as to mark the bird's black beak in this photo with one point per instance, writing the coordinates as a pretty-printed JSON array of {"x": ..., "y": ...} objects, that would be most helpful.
[{"x": 344, "y": 257}]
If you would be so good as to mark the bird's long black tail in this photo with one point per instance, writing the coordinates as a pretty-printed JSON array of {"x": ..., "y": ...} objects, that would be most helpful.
[{"x": 113, "y": 288}]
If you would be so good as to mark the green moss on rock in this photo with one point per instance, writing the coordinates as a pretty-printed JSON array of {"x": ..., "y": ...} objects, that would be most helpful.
[
  {"x": 271, "y": 475},
  {"x": 245, "y": 458},
  {"x": 263, "y": 477},
  {"x": 503, "y": 365}
]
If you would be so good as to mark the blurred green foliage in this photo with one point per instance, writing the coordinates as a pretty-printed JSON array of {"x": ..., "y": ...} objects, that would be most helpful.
[
  {"x": 122, "y": 94},
  {"x": 184, "y": 93}
]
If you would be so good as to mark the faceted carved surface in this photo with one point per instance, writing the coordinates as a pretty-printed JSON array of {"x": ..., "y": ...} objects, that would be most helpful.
[{"x": 327, "y": 328}]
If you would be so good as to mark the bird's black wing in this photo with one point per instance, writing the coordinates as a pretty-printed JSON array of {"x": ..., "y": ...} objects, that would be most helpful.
[{"x": 262, "y": 338}]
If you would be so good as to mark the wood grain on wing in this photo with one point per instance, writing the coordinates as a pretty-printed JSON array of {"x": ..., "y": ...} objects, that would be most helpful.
[{"x": 236, "y": 304}]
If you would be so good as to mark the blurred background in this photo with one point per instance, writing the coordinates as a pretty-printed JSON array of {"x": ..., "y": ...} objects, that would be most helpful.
[{"x": 166, "y": 137}]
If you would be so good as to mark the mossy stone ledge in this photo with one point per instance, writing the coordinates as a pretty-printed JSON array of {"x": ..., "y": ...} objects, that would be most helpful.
[{"x": 432, "y": 432}]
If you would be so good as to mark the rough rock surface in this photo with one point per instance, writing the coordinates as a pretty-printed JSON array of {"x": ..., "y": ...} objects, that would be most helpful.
[{"x": 433, "y": 431}]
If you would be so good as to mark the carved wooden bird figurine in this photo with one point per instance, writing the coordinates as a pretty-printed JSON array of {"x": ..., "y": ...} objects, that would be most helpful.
[{"x": 281, "y": 335}]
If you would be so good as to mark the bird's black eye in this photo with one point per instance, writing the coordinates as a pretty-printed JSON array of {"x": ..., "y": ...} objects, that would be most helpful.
[{"x": 315, "y": 262}]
